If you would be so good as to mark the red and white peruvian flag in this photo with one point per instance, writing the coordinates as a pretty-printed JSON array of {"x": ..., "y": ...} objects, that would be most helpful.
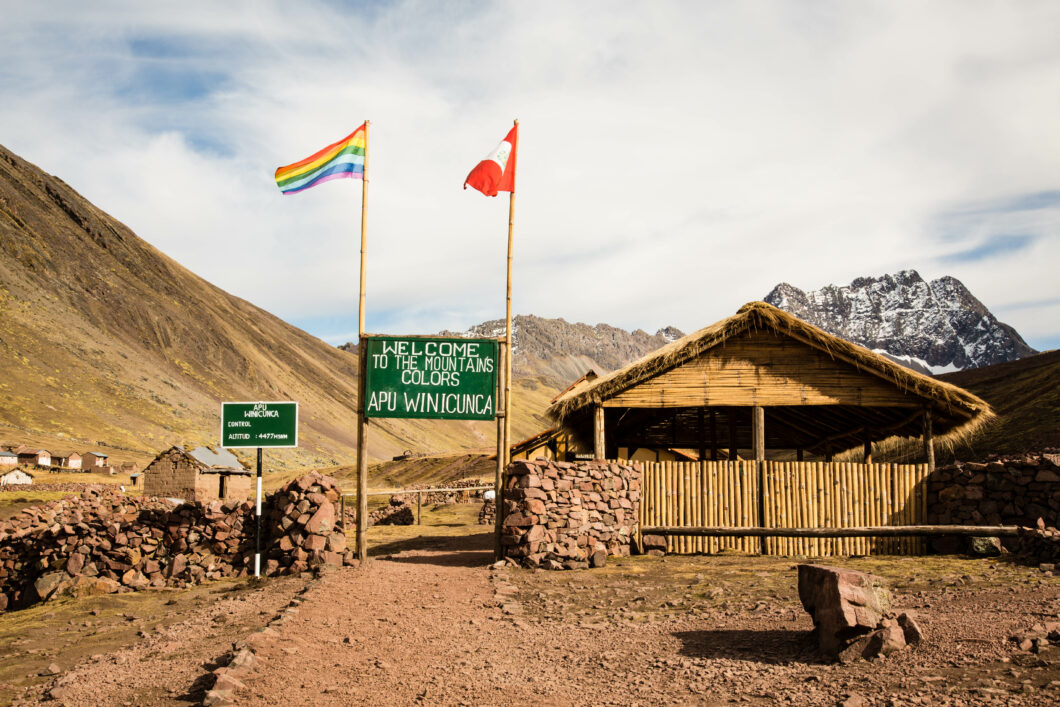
[{"x": 496, "y": 173}]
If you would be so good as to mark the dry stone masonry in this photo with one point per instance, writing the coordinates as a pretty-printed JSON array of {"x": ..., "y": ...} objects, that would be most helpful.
[
  {"x": 1001, "y": 491},
  {"x": 564, "y": 515},
  {"x": 302, "y": 519},
  {"x": 105, "y": 542}
]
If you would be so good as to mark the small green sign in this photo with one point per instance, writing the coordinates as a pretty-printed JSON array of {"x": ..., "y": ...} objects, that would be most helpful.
[
  {"x": 273, "y": 424},
  {"x": 431, "y": 378}
]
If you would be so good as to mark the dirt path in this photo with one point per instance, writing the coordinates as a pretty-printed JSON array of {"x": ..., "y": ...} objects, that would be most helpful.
[{"x": 434, "y": 624}]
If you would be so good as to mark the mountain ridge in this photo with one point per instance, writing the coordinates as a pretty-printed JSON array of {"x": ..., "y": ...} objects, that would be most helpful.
[{"x": 938, "y": 325}]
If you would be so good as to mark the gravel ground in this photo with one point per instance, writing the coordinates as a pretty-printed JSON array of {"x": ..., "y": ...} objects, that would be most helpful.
[{"x": 435, "y": 625}]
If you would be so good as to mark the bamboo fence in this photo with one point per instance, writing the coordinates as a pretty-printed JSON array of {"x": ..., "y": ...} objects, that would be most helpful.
[{"x": 793, "y": 495}]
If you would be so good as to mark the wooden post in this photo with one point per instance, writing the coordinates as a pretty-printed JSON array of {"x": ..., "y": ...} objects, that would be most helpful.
[
  {"x": 419, "y": 508},
  {"x": 498, "y": 480},
  {"x": 701, "y": 434},
  {"x": 929, "y": 441},
  {"x": 758, "y": 432},
  {"x": 362, "y": 456},
  {"x": 733, "y": 451},
  {"x": 868, "y": 448},
  {"x": 713, "y": 435},
  {"x": 758, "y": 444},
  {"x": 362, "y": 346},
  {"x": 599, "y": 433},
  {"x": 508, "y": 315}
]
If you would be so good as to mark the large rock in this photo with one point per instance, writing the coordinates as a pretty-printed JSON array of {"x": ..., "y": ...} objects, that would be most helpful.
[{"x": 845, "y": 604}]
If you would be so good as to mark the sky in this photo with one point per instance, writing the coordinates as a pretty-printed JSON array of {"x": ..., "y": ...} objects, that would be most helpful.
[{"x": 676, "y": 159}]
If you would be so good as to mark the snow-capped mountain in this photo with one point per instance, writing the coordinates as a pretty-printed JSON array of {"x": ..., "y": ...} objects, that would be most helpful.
[{"x": 938, "y": 326}]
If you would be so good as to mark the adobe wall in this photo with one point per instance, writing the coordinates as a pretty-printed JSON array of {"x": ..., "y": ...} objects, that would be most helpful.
[
  {"x": 237, "y": 487},
  {"x": 171, "y": 476},
  {"x": 569, "y": 515}
]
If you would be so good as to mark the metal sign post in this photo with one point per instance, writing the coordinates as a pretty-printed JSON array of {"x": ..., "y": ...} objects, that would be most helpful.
[
  {"x": 257, "y": 533},
  {"x": 259, "y": 424}
]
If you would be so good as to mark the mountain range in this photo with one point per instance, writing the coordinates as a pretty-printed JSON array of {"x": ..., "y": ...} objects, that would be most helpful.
[{"x": 936, "y": 326}]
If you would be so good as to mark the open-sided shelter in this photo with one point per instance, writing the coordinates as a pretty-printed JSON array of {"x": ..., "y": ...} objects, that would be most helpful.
[{"x": 764, "y": 382}]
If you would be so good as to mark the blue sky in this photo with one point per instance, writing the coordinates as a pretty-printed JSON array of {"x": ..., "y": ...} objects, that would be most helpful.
[{"x": 677, "y": 158}]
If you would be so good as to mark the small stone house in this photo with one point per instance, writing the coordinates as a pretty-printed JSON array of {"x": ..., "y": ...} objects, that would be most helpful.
[
  {"x": 16, "y": 477},
  {"x": 8, "y": 458},
  {"x": 130, "y": 468},
  {"x": 199, "y": 474},
  {"x": 35, "y": 457},
  {"x": 90, "y": 460}
]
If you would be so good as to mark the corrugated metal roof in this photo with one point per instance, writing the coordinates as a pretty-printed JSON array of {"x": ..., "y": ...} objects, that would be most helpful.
[
  {"x": 8, "y": 454},
  {"x": 222, "y": 459}
]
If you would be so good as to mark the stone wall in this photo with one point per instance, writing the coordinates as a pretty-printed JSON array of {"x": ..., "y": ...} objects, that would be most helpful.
[
  {"x": 105, "y": 541},
  {"x": 1001, "y": 491},
  {"x": 564, "y": 515}
]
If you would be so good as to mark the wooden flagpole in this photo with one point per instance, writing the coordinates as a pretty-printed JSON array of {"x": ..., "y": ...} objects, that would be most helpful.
[
  {"x": 508, "y": 315},
  {"x": 504, "y": 427},
  {"x": 362, "y": 349}
]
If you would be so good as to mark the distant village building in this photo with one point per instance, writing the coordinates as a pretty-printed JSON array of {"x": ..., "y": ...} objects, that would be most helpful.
[
  {"x": 35, "y": 457},
  {"x": 130, "y": 468},
  {"x": 67, "y": 461},
  {"x": 200, "y": 474},
  {"x": 16, "y": 477},
  {"x": 8, "y": 458},
  {"x": 134, "y": 480},
  {"x": 89, "y": 460}
]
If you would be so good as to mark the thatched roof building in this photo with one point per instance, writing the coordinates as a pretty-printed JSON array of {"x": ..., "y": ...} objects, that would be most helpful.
[{"x": 763, "y": 379}]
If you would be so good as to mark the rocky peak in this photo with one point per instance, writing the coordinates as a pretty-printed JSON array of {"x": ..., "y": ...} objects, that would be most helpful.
[{"x": 936, "y": 326}]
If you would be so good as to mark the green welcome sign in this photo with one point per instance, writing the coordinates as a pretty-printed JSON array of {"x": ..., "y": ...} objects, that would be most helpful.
[
  {"x": 261, "y": 424},
  {"x": 431, "y": 378}
]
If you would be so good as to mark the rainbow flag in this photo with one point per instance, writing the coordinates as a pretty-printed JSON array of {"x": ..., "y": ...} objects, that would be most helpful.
[{"x": 343, "y": 159}]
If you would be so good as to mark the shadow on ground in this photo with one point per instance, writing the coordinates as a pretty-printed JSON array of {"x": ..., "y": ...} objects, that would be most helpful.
[
  {"x": 473, "y": 550},
  {"x": 774, "y": 647}
]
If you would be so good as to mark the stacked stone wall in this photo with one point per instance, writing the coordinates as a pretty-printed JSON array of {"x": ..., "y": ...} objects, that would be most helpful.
[
  {"x": 105, "y": 541},
  {"x": 564, "y": 515},
  {"x": 1001, "y": 491}
]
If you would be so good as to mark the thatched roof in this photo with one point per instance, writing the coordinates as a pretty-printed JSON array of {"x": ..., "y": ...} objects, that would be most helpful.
[{"x": 962, "y": 409}]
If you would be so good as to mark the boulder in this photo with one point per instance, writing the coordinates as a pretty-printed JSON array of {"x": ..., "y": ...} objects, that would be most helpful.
[{"x": 845, "y": 604}]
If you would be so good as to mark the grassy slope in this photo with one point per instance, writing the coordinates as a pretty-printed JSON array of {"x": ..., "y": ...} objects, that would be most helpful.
[{"x": 107, "y": 343}]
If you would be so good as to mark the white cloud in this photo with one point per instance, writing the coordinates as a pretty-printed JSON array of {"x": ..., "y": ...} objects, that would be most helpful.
[{"x": 677, "y": 159}]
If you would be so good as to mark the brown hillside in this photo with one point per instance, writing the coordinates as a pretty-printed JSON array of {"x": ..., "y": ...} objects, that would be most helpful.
[
  {"x": 105, "y": 341},
  {"x": 1025, "y": 394}
]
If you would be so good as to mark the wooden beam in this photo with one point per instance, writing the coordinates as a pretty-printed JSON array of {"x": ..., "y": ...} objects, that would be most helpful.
[
  {"x": 877, "y": 531},
  {"x": 929, "y": 441},
  {"x": 598, "y": 433}
]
